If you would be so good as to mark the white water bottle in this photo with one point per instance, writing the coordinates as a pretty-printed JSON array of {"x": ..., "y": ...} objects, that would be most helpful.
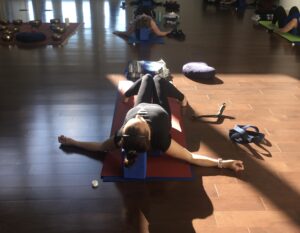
[{"x": 67, "y": 22}]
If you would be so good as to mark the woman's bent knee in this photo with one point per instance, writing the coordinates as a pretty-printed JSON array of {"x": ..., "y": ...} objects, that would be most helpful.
[
  {"x": 146, "y": 77},
  {"x": 159, "y": 79}
]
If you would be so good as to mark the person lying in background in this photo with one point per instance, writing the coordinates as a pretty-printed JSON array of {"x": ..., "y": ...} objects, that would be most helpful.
[
  {"x": 287, "y": 23},
  {"x": 227, "y": 2},
  {"x": 142, "y": 21}
]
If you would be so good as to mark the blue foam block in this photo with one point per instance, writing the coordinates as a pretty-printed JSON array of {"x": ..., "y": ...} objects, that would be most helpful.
[
  {"x": 144, "y": 33},
  {"x": 152, "y": 39},
  {"x": 139, "y": 169},
  {"x": 155, "y": 153}
]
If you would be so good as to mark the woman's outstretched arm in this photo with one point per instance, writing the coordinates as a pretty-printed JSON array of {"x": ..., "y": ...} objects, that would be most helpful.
[
  {"x": 156, "y": 30},
  {"x": 177, "y": 151},
  {"x": 106, "y": 145}
]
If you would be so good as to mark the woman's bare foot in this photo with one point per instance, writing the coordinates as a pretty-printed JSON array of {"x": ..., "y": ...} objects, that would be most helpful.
[
  {"x": 66, "y": 141},
  {"x": 121, "y": 33}
]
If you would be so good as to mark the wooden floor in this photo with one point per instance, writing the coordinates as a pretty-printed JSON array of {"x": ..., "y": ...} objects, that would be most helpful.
[{"x": 71, "y": 90}]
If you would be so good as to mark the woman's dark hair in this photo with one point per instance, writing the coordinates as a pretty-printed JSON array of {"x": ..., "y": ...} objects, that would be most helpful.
[
  {"x": 143, "y": 22},
  {"x": 130, "y": 157},
  {"x": 144, "y": 10},
  {"x": 135, "y": 141}
]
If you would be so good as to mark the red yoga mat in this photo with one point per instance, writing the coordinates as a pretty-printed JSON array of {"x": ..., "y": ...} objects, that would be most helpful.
[{"x": 161, "y": 167}]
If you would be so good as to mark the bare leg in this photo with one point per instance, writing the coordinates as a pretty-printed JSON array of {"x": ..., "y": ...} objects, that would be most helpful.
[
  {"x": 126, "y": 33},
  {"x": 106, "y": 145},
  {"x": 121, "y": 33},
  {"x": 163, "y": 90}
]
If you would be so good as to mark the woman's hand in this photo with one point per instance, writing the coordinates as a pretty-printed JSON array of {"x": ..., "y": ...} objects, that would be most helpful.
[
  {"x": 66, "y": 141},
  {"x": 235, "y": 165}
]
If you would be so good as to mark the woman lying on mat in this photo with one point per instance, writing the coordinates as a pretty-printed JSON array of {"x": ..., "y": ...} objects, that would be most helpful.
[
  {"x": 287, "y": 23},
  {"x": 142, "y": 21},
  {"x": 227, "y": 2},
  {"x": 147, "y": 126}
]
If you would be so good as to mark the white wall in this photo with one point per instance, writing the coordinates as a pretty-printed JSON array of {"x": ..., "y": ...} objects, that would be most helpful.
[{"x": 287, "y": 4}]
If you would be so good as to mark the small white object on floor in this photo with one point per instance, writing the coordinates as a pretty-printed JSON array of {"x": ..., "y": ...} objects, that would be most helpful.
[
  {"x": 255, "y": 18},
  {"x": 95, "y": 183}
]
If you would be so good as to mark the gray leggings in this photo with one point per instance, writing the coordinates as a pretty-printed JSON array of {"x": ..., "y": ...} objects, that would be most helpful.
[{"x": 154, "y": 90}]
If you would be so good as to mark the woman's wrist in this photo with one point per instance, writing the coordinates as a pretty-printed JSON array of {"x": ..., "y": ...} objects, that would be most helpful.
[
  {"x": 73, "y": 142},
  {"x": 220, "y": 163},
  {"x": 224, "y": 163}
]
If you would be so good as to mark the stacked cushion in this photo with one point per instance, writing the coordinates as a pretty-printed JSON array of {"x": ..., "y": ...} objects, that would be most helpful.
[{"x": 29, "y": 37}]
